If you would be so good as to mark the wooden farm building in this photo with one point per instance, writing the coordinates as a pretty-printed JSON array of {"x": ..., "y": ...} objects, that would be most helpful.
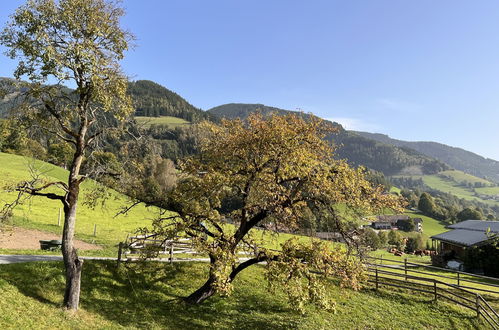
[
  {"x": 465, "y": 234},
  {"x": 387, "y": 222}
]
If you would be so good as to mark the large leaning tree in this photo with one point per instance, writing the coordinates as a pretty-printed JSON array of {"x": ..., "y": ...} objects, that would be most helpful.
[
  {"x": 69, "y": 50},
  {"x": 272, "y": 174}
]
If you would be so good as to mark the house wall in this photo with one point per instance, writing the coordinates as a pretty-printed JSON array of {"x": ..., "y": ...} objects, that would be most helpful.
[{"x": 449, "y": 248}]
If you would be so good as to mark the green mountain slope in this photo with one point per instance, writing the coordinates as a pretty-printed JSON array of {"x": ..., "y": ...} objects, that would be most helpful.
[
  {"x": 42, "y": 213},
  {"x": 356, "y": 149},
  {"x": 153, "y": 100},
  {"x": 458, "y": 158}
]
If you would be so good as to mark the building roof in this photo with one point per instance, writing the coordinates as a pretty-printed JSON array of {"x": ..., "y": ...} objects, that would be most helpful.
[
  {"x": 477, "y": 225},
  {"x": 463, "y": 237},
  {"x": 468, "y": 233}
]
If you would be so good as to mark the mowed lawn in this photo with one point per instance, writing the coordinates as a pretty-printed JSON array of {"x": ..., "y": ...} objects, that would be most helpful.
[
  {"x": 42, "y": 213},
  {"x": 169, "y": 121},
  {"x": 114, "y": 298}
]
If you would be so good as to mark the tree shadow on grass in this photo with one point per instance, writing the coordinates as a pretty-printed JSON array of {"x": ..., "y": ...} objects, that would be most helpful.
[
  {"x": 39, "y": 280},
  {"x": 152, "y": 297}
]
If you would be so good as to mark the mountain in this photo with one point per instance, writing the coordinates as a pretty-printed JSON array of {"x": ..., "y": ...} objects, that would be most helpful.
[
  {"x": 243, "y": 110},
  {"x": 8, "y": 93},
  {"x": 149, "y": 99},
  {"x": 358, "y": 150},
  {"x": 153, "y": 100},
  {"x": 458, "y": 158}
]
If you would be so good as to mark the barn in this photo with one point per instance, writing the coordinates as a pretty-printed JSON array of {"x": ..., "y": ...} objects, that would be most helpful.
[{"x": 464, "y": 235}]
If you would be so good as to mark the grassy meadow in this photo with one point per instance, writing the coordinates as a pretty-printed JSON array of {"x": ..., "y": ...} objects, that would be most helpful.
[
  {"x": 169, "y": 121},
  {"x": 454, "y": 182},
  {"x": 114, "y": 298},
  {"x": 42, "y": 213},
  {"x": 461, "y": 177}
]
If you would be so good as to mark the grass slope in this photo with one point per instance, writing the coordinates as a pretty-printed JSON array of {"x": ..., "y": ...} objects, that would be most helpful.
[
  {"x": 41, "y": 213},
  {"x": 111, "y": 298},
  {"x": 452, "y": 182},
  {"x": 461, "y": 177},
  {"x": 168, "y": 121}
]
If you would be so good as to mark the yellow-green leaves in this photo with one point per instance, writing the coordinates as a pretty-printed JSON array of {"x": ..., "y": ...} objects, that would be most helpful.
[
  {"x": 278, "y": 172},
  {"x": 77, "y": 42}
]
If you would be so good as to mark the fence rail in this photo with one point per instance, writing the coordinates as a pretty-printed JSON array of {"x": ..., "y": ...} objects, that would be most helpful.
[
  {"x": 140, "y": 244},
  {"x": 480, "y": 283},
  {"x": 401, "y": 277}
]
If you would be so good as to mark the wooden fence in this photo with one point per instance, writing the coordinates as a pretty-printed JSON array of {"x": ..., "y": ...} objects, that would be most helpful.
[
  {"x": 394, "y": 275},
  {"x": 474, "y": 282},
  {"x": 150, "y": 244}
]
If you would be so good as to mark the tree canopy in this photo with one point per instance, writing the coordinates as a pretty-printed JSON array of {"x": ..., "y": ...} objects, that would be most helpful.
[{"x": 275, "y": 172}]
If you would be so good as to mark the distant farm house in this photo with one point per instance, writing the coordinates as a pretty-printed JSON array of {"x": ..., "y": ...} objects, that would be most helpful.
[
  {"x": 466, "y": 234},
  {"x": 398, "y": 221}
]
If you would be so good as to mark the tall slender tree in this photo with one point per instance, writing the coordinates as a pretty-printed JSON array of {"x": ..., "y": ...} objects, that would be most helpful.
[{"x": 78, "y": 44}]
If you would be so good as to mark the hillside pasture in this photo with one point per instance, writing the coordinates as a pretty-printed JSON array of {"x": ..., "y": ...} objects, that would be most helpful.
[
  {"x": 447, "y": 185},
  {"x": 122, "y": 298},
  {"x": 461, "y": 177},
  {"x": 493, "y": 191},
  {"x": 42, "y": 214},
  {"x": 168, "y": 121}
]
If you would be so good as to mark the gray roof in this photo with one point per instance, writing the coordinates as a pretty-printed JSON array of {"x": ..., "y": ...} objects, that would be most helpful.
[
  {"x": 477, "y": 225},
  {"x": 463, "y": 237}
]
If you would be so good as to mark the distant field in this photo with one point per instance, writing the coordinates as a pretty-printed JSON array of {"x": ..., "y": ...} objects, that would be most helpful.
[
  {"x": 42, "y": 213},
  {"x": 488, "y": 190},
  {"x": 430, "y": 226},
  {"x": 452, "y": 187},
  {"x": 459, "y": 177},
  {"x": 169, "y": 121},
  {"x": 394, "y": 189}
]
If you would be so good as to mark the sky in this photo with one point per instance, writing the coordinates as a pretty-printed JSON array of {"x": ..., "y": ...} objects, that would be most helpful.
[{"x": 421, "y": 70}]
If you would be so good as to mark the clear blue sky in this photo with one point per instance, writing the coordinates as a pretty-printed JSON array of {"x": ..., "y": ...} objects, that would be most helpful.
[{"x": 416, "y": 70}]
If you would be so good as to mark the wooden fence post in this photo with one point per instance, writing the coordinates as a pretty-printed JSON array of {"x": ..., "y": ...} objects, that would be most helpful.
[
  {"x": 405, "y": 268},
  {"x": 171, "y": 252},
  {"x": 435, "y": 289},
  {"x": 477, "y": 305},
  {"x": 458, "y": 279},
  {"x": 376, "y": 278},
  {"x": 120, "y": 251}
]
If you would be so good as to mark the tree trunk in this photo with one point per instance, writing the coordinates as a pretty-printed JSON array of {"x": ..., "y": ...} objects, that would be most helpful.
[
  {"x": 203, "y": 293},
  {"x": 72, "y": 264}
]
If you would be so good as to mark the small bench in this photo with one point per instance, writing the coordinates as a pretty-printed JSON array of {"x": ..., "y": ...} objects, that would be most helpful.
[{"x": 50, "y": 245}]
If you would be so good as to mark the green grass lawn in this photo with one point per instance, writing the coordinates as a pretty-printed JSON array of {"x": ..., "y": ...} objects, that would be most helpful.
[
  {"x": 169, "y": 121},
  {"x": 111, "y": 299},
  {"x": 41, "y": 213}
]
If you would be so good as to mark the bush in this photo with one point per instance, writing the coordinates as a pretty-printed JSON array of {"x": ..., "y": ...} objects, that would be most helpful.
[
  {"x": 414, "y": 243},
  {"x": 371, "y": 239}
]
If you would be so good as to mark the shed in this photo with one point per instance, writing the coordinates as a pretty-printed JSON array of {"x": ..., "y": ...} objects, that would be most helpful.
[{"x": 466, "y": 234}]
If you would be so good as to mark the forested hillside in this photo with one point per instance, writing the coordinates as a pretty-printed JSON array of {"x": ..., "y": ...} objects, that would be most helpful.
[
  {"x": 153, "y": 100},
  {"x": 8, "y": 93},
  {"x": 356, "y": 149},
  {"x": 458, "y": 158}
]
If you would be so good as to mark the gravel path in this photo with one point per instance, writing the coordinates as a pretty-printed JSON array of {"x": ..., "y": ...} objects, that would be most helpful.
[{"x": 22, "y": 238}]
